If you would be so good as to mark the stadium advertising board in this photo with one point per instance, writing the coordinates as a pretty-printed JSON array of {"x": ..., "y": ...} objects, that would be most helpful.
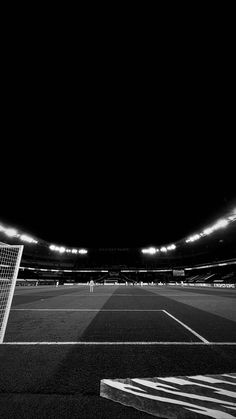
[{"x": 178, "y": 272}]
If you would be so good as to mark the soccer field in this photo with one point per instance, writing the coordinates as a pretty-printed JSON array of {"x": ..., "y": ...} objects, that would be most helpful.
[{"x": 61, "y": 342}]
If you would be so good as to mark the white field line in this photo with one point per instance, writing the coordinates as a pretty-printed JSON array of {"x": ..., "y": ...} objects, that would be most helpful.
[
  {"x": 94, "y": 294},
  {"x": 187, "y": 327},
  {"x": 123, "y": 343},
  {"x": 79, "y": 309}
]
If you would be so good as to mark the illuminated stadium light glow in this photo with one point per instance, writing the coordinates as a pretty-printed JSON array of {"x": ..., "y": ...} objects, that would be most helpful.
[
  {"x": 163, "y": 249},
  {"x": 171, "y": 247},
  {"x": 149, "y": 251},
  {"x": 207, "y": 231},
  {"x": 154, "y": 250},
  {"x": 63, "y": 249},
  {"x": 221, "y": 224},
  {"x": 27, "y": 239},
  {"x": 11, "y": 232},
  {"x": 193, "y": 238},
  {"x": 83, "y": 251}
]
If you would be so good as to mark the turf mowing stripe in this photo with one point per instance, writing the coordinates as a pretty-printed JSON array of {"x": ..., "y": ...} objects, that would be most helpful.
[
  {"x": 124, "y": 343},
  {"x": 187, "y": 327}
]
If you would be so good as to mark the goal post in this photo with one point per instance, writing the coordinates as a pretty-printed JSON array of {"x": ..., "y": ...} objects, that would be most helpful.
[{"x": 10, "y": 257}]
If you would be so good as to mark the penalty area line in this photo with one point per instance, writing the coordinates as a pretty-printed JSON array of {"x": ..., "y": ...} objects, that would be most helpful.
[
  {"x": 123, "y": 343},
  {"x": 187, "y": 327}
]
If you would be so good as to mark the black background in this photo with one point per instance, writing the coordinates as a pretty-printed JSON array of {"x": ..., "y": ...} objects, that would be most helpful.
[{"x": 122, "y": 149}]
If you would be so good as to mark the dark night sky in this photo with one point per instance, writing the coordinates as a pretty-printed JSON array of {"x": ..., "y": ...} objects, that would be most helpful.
[
  {"x": 76, "y": 197},
  {"x": 117, "y": 159}
]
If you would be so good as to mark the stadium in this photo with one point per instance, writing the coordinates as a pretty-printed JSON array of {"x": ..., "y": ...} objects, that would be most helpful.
[{"x": 156, "y": 336}]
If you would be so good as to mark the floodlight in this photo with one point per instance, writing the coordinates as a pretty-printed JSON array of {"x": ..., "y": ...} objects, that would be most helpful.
[
  {"x": 221, "y": 223},
  {"x": 194, "y": 237},
  {"x": 150, "y": 251},
  {"x": 28, "y": 239},
  {"x": 24, "y": 238},
  {"x": 208, "y": 231},
  {"x": 11, "y": 232},
  {"x": 62, "y": 249},
  {"x": 163, "y": 249},
  {"x": 83, "y": 251}
]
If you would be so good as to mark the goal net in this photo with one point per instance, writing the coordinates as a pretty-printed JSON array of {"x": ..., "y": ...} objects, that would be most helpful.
[{"x": 10, "y": 257}]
